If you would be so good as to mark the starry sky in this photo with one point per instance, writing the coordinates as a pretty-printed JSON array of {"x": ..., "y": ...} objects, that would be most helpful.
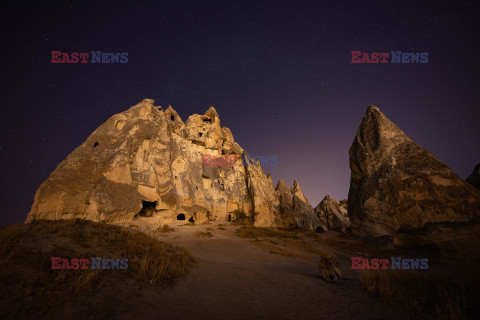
[{"x": 278, "y": 73}]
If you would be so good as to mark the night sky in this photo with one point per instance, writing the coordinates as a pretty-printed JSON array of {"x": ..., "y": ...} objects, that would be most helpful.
[{"x": 278, "y": 73}]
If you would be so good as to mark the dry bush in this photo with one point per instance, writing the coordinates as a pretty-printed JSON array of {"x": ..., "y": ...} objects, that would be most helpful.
[
  {"x": 29, "y": 288},
  {"x": 241, "y": 219},
  {"x": 164, "y": 229},
  {"x": 203, "y": 234},
  {"x": 449, "y": 293},
  {"x": 273, "y": 247}
]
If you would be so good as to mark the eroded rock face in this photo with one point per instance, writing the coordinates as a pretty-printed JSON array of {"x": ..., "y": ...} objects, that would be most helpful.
[
  {"x": 400, "y": 189},
  {"x": 146, "y": 163},
  {"x": 332, "y": 214},
  {"x": 294, "y": 209},
  {"x": 474, "y": 177}
]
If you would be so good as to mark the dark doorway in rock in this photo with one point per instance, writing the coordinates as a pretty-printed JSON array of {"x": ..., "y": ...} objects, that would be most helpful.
[
  {"x": 172, "y": 118},
  {"x": 148, "y": 209},
  {"x": 207, "y": 120},
  {"x": 181, "y": 216},
  {"x": 200, "y": 134},
  {"x": 191, "y": 220},
  {"x": 95, "y": 144}
]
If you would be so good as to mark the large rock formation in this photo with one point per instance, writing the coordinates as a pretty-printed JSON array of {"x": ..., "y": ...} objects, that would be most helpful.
[
  {"x": 146, "y": 163},
  {"x": 474, "y": 178},
  {"x": 332, "y": 214},
  {"x": 401, "y": 190},
  {"x": 294, "y": 209}
]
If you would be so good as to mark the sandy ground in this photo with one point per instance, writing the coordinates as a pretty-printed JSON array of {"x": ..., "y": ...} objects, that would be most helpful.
[{"x": 238, "y": 280}]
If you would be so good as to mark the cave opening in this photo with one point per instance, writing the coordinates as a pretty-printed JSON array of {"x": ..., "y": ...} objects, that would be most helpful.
[
  {"x": 148, "y": 208},
  {"x": 181, "y": 216},
  {"x": 172, "y": 118},
  {"x": 200, "y": 134},
  {"x": 191, "y": 220},
  {"x": 95, "y": 144},
  {"x": 207, "y": 120}
]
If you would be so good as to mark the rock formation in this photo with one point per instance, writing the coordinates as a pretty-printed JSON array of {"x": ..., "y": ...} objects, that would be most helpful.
[
  {"x": 474, "y": 178},
  {"x": 332, "y": 215},
  {"x": 146, "y": 163},
  {"x": 401, "y": 190},
  {"x": 294, "y": 209}
]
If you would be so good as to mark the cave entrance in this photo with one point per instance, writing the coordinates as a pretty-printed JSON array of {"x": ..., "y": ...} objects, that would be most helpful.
[
  {"x": 148, "y": 209},
  {"x": 191, "y": 220},
  {"x": 181, "y": 216}
]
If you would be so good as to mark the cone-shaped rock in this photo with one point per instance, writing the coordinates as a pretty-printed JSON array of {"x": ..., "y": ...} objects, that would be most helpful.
[
  {"x": 296, "y": 190},
  {"x": 332, "y": 214},
  {"x": 294, "y": 209},
  {"x": 400, "y": 189},
  {"x": 474, "y": 178}
]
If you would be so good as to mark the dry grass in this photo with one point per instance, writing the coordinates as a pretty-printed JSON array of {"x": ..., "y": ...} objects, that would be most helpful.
[
  {"x": 349, "y": 244},
  {"x": 447, "y": 294},
  {"x": 305, "y": 246},
  {"x": 34, "y": 290},
  {"x": 203, "y": 234},
  {"x": 273, "y": 247},
  {"x": 165, "y": 229},
  {"x": 254, "y": 232}
]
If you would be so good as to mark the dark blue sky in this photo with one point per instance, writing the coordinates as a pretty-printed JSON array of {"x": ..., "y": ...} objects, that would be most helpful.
[{"x": 278, "y": 73}]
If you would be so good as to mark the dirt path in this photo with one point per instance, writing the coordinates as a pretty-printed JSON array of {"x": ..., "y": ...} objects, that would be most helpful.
[{"x": 237, "y": 280}]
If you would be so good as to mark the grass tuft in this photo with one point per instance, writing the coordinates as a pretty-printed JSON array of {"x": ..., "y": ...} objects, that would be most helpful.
[
  {"x": 204, "y": 234},
  {"x": 165, "y": 229}
]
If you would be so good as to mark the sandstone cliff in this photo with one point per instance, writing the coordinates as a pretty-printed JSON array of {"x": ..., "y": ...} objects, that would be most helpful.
[
  {"x": 146, "y": 163},
  {"x": 400, "y": 189}
]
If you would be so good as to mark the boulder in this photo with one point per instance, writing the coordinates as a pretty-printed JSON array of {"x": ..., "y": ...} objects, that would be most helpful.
[
  {"x": 332, "y": 214},
  {"x": 400, "y": 189}
]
